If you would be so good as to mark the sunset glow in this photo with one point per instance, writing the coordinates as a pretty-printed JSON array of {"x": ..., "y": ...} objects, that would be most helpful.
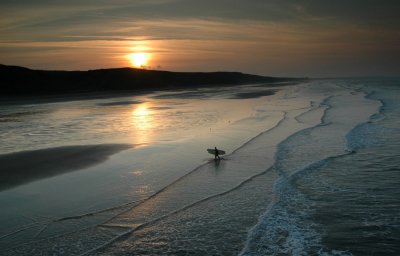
[
  {"x": 142, "y": 123},
  {"x": 211, "y": 127},
  {"x": 272, "y": 38},
  {"x": 141, "y": 118},
  {"x": 139, "y": 59}
]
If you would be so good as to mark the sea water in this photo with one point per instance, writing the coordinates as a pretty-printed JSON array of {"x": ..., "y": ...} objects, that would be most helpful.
[
  {"x": 313, "y": 169},
  {"x": 338, "y": 191}
]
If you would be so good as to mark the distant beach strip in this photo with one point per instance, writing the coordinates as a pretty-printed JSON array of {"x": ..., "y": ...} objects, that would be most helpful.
[{"x": 27, "y": 166}]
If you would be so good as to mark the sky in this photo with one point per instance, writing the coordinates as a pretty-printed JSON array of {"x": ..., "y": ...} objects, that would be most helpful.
[{"x": 313, "y": 38}]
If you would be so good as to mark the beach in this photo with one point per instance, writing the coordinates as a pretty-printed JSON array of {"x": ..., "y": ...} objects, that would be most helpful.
[{"x": 131, "y": 175}]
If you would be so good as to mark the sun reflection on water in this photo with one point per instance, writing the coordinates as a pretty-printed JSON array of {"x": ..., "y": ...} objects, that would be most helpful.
[{"x": 142, "y": 122}]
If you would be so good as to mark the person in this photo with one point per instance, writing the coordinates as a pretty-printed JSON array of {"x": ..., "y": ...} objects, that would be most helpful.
[{"x": 216, "y": 154}]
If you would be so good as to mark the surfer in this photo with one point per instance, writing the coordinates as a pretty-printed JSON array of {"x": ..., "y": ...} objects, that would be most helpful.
[{"x": 216, "y": 154}]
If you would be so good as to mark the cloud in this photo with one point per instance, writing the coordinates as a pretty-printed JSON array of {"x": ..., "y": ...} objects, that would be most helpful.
[
  {"x": 52, "y": 20},
  {"x": 262, "y": 36}
]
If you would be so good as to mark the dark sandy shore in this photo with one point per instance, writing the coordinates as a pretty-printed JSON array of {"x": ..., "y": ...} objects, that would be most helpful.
[
  {"x": 26, "y": 166},
  {"x": 252, "y": 95}
]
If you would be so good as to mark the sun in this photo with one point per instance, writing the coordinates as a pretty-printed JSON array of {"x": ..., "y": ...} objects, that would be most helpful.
[{"x": 139, "y": 59}]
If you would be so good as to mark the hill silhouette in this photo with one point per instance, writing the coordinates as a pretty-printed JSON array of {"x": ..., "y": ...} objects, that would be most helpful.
[{"x": 16, "y": 81}]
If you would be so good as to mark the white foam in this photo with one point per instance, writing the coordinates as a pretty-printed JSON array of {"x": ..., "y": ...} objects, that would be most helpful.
[{"x": 287, "y": 227}]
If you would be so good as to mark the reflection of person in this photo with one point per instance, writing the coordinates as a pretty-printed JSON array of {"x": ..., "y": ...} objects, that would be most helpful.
[{"x": 216, "y": 154}]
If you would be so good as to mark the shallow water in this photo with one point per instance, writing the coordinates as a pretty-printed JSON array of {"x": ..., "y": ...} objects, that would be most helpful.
[
  {"x": 312, "y": 169},
  {"x": 338, "y": 191},
  {"x": 170, "y": 134}
]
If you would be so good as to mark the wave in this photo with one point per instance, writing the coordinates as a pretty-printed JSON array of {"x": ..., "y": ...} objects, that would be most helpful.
[
  {"x": 311, "y": 108},
  {"x": 150, "y": 221},
  {"x": 143, "y": 225},
  {"x": 276, "y": 126},
  {"x": 368, "y": 133},
  {"x": 287, "y": 227}
]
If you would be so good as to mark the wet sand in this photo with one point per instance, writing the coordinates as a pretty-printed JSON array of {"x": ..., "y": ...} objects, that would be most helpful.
[
  {"x": 253, "y": 95},
  {"x": 26, "y": 166}
]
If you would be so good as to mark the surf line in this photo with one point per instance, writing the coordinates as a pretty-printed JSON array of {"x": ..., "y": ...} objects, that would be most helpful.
[
  {"x": 285, "y": 180},
  {"x": 98, "y": 212},
  {"x": 284, "y": 117},
  {"x": 89, "y": 214},
  {"x": 312, "y": 107},
  {"x": 132, "y": 230},
  {"x": 47, "y": 224},
  {"x": 200, "y": 166},
  {"x": 143, "y": 225},
  {"x": 21, "y": 229},
  {"x": 140, "y": 202},
  {"x": 280, "y": 186}
]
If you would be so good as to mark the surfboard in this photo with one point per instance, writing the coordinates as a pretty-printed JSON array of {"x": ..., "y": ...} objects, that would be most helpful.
[{"x": 212, "y": 151}]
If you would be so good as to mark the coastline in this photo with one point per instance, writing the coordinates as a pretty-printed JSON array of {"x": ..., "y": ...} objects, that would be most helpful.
[
  {"x": 28, "y": 86},
  {"x": 65, "y": 97}
]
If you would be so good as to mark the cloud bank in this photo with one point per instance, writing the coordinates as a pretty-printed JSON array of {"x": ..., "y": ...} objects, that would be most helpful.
[{"x": 302, "y": 38}]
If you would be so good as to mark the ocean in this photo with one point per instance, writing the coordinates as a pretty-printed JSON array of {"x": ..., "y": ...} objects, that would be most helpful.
[{"x": 311, "y": 169}]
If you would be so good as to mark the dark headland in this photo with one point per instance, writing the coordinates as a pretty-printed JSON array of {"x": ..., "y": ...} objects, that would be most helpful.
[{"x": 19, "y": 81}]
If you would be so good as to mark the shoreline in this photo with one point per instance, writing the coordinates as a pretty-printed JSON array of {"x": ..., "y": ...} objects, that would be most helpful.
[
  {"x": 54, "y": 98},
  {"x": 20, "y": 82},
  {"x": 77, "y": 96}
]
